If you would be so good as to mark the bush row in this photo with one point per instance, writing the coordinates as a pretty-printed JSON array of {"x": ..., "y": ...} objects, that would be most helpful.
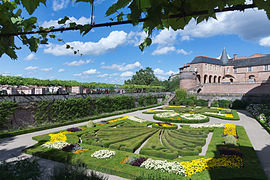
[
  {"x": 234, "y": 112},
  {"x": 7, "y": 108},
  {"x": 59, "y": 124}
]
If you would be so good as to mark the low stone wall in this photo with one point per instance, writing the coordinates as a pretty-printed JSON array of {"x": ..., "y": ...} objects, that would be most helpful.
[
  {"x": 34, "y": 98},
  {"x": 233, "y": 88}
]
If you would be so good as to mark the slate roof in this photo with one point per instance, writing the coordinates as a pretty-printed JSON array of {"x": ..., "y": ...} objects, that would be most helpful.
[
  {"x": 205, "y": 59},
  {"x": 224, "y": 57},
  {"x": 258, "y": 61},
  {"x": 250, "y": 62}
]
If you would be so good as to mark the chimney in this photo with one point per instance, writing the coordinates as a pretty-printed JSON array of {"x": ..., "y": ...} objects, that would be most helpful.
[{"x": 234, "y": 56}]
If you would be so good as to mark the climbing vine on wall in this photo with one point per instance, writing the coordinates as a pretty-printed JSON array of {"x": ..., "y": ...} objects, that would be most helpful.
[{"x": 7, "y": 108}]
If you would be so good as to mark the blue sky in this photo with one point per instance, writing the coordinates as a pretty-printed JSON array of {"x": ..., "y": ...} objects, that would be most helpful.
[{"x": 111, "y": 54}]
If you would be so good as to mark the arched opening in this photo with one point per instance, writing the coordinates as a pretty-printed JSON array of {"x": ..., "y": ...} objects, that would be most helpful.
[
  {"x": 205, "y": 79},
  {"x": 219, "y": 79},
  {"x": 210, "y": 79},
  {"x": 215, "y": 79},
  {"x": 228, "y": 79},
  {"x": 199, "y": 77},
  {"x": 199, "y": 90},
  {"x": 251, "y": 79}
]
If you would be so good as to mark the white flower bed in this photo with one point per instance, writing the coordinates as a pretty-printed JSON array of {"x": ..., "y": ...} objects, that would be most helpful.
[
  {"x": 55, "y": 145},
  {"x": 206, "y": 125},
  {"x": 167, "y": 114},
  {"x": 163, "y": 110},
  {"x": 213, "y": 113},
  {"x": 165, "y": 166},
  {"x": 191, "y": 116},
  {"x": 103, "y": 154},
  {"x": 133, "y": 118},
  {"x": 198, "y": 107}
]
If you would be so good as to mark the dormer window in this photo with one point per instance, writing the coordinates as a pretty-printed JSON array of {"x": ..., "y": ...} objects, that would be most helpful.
[
  {"x": 249, "y": 69},
  {"x": 266, "y": 67}
]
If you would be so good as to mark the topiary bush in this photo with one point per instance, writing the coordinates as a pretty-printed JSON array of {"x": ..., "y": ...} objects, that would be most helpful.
[
  {"x": 90, "y": 124},
  {"x": 201, "y": 102},
  {"x": 224, "y": 103},
  {"x": 238, "y": 104}
]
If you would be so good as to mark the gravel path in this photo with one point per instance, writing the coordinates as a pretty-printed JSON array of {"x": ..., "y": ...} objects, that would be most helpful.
[{"x": 10, "y": 148}]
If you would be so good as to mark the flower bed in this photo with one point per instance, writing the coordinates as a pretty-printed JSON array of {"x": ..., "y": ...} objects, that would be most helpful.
[
  {"x": 103, "y": 154},
  {"x": 181, "y": 118},
  {"x": 165, "y": 125},
  {"x": 55, "y": 145},
  {"x": 199, "y": 165},
  {"x": 206, "y": 125},
  {"x": 155, "y": 111},
  {"x": 222, "y": 114},
  {"x": 136, "y": 119},
  {"x": 170, "y": 167},
  {"x": 230, "y": 129}
]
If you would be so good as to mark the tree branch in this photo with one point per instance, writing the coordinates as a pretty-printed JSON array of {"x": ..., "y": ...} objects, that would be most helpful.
[{"x": 197, "y": 13}]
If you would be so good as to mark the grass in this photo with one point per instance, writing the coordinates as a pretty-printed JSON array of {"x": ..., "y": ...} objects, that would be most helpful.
[{"x": 251, "y": 169}]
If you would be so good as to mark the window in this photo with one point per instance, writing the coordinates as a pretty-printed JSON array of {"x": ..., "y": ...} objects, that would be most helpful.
[
  {"x": 228, "y": 70},
  {"x": 235, "y": 70},
  {"x": 266, "y": 67},
  {"x": 249, "y": 69}
]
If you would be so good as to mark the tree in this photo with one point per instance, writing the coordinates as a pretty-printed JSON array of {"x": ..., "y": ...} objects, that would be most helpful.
[
  {"x": 155, "y": 15},
  {"x": 171, "y": 85},
  {"x": 144, "y": 77}
]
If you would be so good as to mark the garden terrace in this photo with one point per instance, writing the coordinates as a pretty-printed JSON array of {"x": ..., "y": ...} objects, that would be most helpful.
[{"x": 162, "y": 144}]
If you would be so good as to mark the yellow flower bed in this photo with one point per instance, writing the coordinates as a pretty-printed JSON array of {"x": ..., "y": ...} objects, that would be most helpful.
[
  {"x": 150, "y": 111},
  {"x": 99, "y": 124},
  {"x": 80, "y": 151},
  {"x": 222, "y": 109},
  {"x": 199, "y": 165},
  {"x": 164, "y": 125},
  {"x": 230, "y": 129},
  {"x": 58, "y": 137},
  {"x": 229, "y": 115},
  {"x": 118, "y": 119}
]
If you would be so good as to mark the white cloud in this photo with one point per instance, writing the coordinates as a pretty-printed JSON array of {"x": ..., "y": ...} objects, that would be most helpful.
[
  {"x": 127, "y": 74},
  {"x": 46, "y": 69},
  {"x": 102, "y": 63},
  {"x": 265, "y": 41},
  {"x": 103, "y": 75},
  {"x": 61, "y": 70},
  {"x": 165, "y": 37},
  {"x": 78, "y": 63},
  {"x": 136, "y": 38},
  {"x": 185, "y": 38},
  {"x": 182, "y": 51},
  {"x": 82, "y": 20},
  {"x": 30, "y": 68},
  {"x": 90, "y": 72},
  {"x": 249, "y": 25},
  {"x": 104, "y": 45},
  {"x": 163, "y": 50},
  {"x": 162, "y": 78},
  {"x": 30, "y": 57},
  {"x": 77, "y": 74},
  {"x": 59, "y": 4},
  {"x": 123, "y": 67},
  {"x": 159, "y": 71}
]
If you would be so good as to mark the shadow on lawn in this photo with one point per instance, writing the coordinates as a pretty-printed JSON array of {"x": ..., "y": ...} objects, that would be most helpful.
[
  {"x": 245, "y": 112},
  {"x": 251, "y": 170}
]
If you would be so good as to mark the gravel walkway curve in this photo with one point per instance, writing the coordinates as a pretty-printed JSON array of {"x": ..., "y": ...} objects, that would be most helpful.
[{"x": 10, "y": 148}]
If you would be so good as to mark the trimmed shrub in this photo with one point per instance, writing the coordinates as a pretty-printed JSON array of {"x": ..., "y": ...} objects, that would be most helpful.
[
  {"x": 201, "y": 102},
  {"x": 224, "y": 103},
  {"x": 238, "y": 104},
  {"x": 214, "y": 104},
  {"x": 180, "y": 96},
  {"x": 90, "y": 124}
]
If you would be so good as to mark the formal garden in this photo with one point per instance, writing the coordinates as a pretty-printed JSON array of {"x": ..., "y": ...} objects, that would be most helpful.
[{"x": 135, "y": 148}]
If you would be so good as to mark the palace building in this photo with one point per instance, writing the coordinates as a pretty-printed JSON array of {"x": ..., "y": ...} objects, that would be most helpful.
[{"x": 237, "y": 75}]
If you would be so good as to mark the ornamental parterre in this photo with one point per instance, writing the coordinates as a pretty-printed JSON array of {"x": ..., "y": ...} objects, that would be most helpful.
[{"x": 167, "y": 114}]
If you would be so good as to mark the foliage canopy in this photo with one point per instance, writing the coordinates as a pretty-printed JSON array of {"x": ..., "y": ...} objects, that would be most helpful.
[{"x": 155, "y": 15}]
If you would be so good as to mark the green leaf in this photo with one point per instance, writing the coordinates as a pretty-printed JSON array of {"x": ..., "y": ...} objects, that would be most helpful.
[
  {"x": 63, "y": 21},
  {"x": 120, "y": 16},
  {"x": 72, "y": 25},
  {"x": 52, "y": 35},
  {"x": 118, "y": 5},
  {"x": 31, "y": 6},
  {"x": 67, "y": 46}
]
